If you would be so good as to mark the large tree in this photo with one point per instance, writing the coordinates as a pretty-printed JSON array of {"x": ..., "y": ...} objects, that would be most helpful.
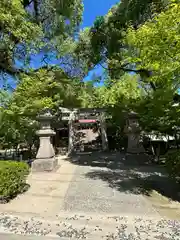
[
  {"x": 34, "y": 33},
  {"x": 103, "y": 43},
  {"x": 150, "y": 48},
  {"x": 32, "y": 27},
  {"x": 134, "y": 36},
  {"x": 156, "y": 46}
]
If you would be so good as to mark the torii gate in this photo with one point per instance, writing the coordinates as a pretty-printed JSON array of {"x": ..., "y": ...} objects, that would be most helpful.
[{"x": 85, "y": 115}]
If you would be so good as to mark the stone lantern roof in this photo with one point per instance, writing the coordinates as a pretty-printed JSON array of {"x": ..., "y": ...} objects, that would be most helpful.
[{"x": 132, "y": 115}]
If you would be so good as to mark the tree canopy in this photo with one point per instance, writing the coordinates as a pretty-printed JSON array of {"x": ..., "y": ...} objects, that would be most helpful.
[
  {"x": 32, "y": 27},
  {"x": 137, "y": 44},
  {"x": 104, "y": 41}
]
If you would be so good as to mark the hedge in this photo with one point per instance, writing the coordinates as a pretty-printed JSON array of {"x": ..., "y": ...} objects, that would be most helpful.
[{"x": 12, "y": 179}]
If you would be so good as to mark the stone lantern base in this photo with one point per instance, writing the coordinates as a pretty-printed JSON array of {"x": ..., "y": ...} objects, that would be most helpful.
[
  {"x": 45, "y": 165},
  {"x": 134, "y": 145},
  {"x": 45, "y": 159}
]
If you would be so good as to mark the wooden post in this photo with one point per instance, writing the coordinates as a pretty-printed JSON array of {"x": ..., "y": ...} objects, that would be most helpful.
[
  {"x": 103, "y": 132},
  {"x": 72, "y": 118}
]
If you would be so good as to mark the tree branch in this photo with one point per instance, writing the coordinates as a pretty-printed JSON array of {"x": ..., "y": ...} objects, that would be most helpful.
[
  {"x": 14, "y": 71},
  {"x": 127, "y": 69},
  {"x": 36, "y": 10},
  {"x": 141, "y": 72}
]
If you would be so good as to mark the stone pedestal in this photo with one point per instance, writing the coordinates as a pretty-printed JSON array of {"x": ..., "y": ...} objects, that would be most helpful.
[
  {"x": 134, "y": 145},
  {"x": 133, "y": 130},
  {"x": 45, "y": 158}
]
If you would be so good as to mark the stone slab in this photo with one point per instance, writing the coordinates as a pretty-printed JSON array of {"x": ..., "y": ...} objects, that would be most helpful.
[
  {"x": 53, "y": 189},
  {"x": 5, "y": 236},
  {"x": 30, "y": 204},
  {"x": 45, "y": 195},
  {"x": 45, "y": 165},
  {"x": 63, "y": 174}
]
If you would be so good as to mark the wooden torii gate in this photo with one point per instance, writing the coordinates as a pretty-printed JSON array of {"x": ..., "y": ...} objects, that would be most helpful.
[{"x": 84, "y": 115}]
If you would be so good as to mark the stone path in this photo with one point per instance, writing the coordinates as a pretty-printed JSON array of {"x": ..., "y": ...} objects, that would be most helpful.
[
  {"x": 5, "y": 236},
  {"x": 46, "y": 194},
  {"x": 89, "y": 195},
  {"x": 92, "y": 198}
]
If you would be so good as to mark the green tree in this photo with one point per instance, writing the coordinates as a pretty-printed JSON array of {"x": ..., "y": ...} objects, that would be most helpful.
[
  {"x": 155, "y": 46},
  {"x": 36, "y": 91},
  {"x": 103, "y": 43},
  {"x": 32, "y": 27}
]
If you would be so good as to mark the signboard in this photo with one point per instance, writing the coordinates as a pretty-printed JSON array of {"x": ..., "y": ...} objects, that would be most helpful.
[{"x": 87, "y": 121}]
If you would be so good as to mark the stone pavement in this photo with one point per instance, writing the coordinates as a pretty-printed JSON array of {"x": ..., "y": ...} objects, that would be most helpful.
[
  {"x": 46, "y": 193},
  {"x": 5, "y": 236},
  {"x": 90, "y": 197}
]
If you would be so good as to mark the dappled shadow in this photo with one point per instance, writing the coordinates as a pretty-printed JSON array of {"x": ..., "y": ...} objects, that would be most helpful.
[
  {"x": 111, "y": 160},
  {"x": 134, "y": 174},
  {"x": 95, "y": 159},
  {"x": 138, "y": 181}
]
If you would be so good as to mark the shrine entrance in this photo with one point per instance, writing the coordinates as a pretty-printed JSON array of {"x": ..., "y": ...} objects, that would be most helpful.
[
  {"x": 87, "y": 129},
  {"x": 87, "y": 136}
]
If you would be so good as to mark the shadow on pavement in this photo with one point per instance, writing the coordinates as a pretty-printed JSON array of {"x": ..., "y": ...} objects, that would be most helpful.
[{"x": 129, "y": 173}]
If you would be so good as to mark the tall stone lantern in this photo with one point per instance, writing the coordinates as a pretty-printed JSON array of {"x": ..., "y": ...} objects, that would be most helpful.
[
  {"x": 132, "y": 129},
  {"x": 45, "y": 158}
]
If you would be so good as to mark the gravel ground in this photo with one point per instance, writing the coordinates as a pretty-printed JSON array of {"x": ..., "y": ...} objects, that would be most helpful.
[
  {"x": 107, "y": 228},
  {"x": 90, "y": 191}
]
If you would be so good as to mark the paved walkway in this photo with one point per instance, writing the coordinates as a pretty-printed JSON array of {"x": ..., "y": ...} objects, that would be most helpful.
[
  {"x": 21, "y": 237},
  {"x": 91, "y": 197}
]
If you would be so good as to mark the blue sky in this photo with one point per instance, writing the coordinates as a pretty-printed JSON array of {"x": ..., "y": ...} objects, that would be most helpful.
[{"x": 94, "y": 8}]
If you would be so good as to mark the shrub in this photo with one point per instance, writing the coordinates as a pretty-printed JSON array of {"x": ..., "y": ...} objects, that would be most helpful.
[
  {"x": 12, "y": 179},
  {"x": 173, "y": 164}
]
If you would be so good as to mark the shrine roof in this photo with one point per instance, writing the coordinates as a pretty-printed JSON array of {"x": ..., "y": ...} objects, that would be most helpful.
[{"x": 83, "y": 110}]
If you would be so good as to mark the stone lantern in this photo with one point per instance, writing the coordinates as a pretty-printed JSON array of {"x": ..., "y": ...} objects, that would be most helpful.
[
  {"x": 132, "y": 129},
  {"x": 45, "y": 158}
]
